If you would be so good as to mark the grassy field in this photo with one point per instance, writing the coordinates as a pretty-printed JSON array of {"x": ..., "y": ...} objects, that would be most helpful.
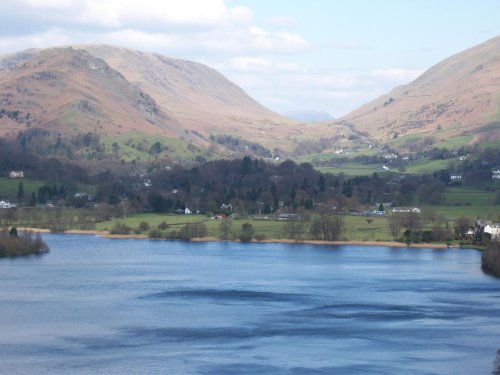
[
  {"x": 470, "y": 195},
  {"x": 354, "y": 169},
  {"x": 356, "y": 227},
  {"x": 153, "y": 220},
  {"x": 133, "y": 146},
  {"x": 490, "y": 144},
  {"x": 454, "y": 142},
  {"x": 426, "y": 166},
  {"x": 8, "y": 187},
  {"x": 473, "y": 212},
  {"x": 329, "y": 155}
]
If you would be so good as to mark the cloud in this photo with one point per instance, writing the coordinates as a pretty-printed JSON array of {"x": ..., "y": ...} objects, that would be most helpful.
[
  {"x": 282, "y": 21},
  {"x": 50, "y": 4},
  {"x": 397, "y": 74},
  {"x": 191, "y": 28},
  {"x": 144, "y": 13},
  {"x": 308, "y": 88},
  {"x": 250, "y": 63},
  {"x": 278, "y": 42},
  {"x": 49, "y": 38}
]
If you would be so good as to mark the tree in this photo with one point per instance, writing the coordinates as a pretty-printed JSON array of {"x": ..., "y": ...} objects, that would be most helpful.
[
  {"x": 33, "y": 199},
  {"x": 13, "y": 232},
  {"x": 156, "y": 148},
  {"x": 321, "y": 184},
  {"x": 20, "y": 191},
  {"x": 413, "y": 224},
  {"x": 192, "y": 230},
  {"x": 225, "y": 229},
  {"x": 328, "y": 227},
  {"x": 295, "y": 229},
  {"x": 247, "y": 232},
  {"x": 396, "y": 224},
  {"x": 462, "y": 225},
  {"x": 381, "y": 207}
]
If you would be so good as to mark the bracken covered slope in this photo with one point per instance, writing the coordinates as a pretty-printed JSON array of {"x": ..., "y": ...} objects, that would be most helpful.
[
  {"x": 458, "y": 96},
  {"x": 113, "y": 90}
]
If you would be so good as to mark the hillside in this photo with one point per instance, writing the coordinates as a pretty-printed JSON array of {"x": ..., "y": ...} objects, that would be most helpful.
[
  {"x": 114, "y": 91},
  {"x": 459, "y": 97}
]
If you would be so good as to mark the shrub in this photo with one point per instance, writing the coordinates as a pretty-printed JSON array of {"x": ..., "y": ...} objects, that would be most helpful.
[
  {"x": 12, "y": 244},
  {"x": 246, "y": 233},
  {"x": 260, "y": 237},
  {"x": 154, "y": 233},
  {"x": 120, "y": 228},
  {"x": 143, "y": 226},
  {"x": 163, "y": 225},
  {"x": 192, "y": 230}
]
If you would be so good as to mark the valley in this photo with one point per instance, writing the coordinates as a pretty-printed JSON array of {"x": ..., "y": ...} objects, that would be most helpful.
[{"x": 112, "y": 137}]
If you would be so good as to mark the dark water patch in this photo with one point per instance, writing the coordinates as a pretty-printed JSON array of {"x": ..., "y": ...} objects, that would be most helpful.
[
  {"x": 143, "y": 336},
  {"x": 374, "y": 312},
  {"x": 244, "y": 369},
  {"x": 252, "y": 369},
  {"x": 419, "y": 286},
  {"x": 227, "y": 295},
  {"x": 496, "y": 364}
]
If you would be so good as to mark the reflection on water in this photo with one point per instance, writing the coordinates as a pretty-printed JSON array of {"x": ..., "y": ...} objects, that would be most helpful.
[{"x": 94, "y": 305}]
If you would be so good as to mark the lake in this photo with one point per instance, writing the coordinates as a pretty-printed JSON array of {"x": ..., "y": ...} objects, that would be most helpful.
[{"x": 105, "y": 306}]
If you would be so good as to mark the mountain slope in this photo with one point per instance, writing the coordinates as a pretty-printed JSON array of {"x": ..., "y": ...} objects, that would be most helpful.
[
  {"x": 69, "y": 90},
  {"x": 204, "y": 101},
  {"x": 111, "y": 91},
  {"x": 458, "y": 96}
]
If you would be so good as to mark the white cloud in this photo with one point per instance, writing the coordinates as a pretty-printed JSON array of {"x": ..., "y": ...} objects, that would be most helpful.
[
  {"x": 250, "y": 63},
  {"x": 298, "y": 88},
  {"x": 398, "y": 74},
  {"x": 50, "y": 4},
  {"x": 277, "y": 42},
  {"x": 145, "y": 13},
  {"x": 282, "y": 21},
  {"x": 53, "y": 37}
]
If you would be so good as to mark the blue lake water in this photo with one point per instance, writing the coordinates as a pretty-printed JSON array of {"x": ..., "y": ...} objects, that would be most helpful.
[{"x": 102, "y": 306}]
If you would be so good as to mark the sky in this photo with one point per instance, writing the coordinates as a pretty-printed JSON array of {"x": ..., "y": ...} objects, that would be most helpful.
[{"x": 290, "y": 55}]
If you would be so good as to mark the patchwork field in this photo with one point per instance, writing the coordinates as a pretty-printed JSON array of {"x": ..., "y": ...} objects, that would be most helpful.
[{"x": 8, "y": 187}]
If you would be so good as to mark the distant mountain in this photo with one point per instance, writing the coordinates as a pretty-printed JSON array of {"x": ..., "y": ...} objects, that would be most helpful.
[
  {"x": 458, "y": 96},
  {"x": 113, "y": 91},
  {"x": 309, "y": 116}
]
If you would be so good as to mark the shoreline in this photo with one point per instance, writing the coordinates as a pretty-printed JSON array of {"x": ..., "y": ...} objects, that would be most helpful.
[{"x": 106, "y": 234}]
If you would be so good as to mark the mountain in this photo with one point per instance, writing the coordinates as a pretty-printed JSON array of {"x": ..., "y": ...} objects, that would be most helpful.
[
  {"x": 116, "y": 91},
  {"x": 309, "y": 116},
  {"x": 69, "y": 90},
  {"x": 458, "y": 97}
]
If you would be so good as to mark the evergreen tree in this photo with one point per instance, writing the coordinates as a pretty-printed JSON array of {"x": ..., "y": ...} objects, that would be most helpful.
[{"x": 20, "y": 191}]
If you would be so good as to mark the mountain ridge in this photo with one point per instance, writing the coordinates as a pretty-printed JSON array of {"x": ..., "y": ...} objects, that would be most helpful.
[
  {"x": 458, "y": 96},
  {"x": 152, "y": 93}
]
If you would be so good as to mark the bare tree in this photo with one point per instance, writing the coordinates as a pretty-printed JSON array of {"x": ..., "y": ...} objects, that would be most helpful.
[
  {"x": 328, "y": 227},
  {"x": 225, "y": 227},
  {"x": 397, "y": 221},
  {"x": 295, "y": 229}
]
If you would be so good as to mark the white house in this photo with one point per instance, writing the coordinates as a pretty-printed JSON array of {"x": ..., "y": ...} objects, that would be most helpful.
[
  {"x": 407, "y": 209},
  {"x": 493, "y": 230},
  {"x": 187, "y": 211},
  {"x": 225, "y": 206},
  {"x": 496, "y": 175},
  {"x": 5, "y": 204},
  {"x": 385, "y": 168},
  {"x": 455, "y": 177},
  {"x": 16, "y": 174}
]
